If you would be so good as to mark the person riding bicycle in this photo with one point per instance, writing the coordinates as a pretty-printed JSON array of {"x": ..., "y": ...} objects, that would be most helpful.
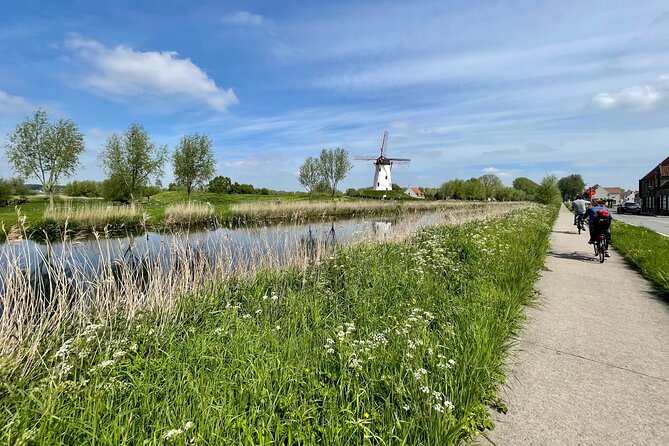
[
  {"x": 579, "y": 206},
  {"x": 599, "y": 222}
]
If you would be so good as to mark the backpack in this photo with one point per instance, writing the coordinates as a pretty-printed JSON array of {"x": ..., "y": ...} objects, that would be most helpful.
[{"x": 602, "y": 220}]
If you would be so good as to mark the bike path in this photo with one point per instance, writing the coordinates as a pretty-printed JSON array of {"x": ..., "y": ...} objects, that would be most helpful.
[{"x": 591, "y": 364}]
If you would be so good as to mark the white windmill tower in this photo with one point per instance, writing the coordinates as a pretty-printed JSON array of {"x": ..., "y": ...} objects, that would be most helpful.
[{"x": 383, "y": 166}]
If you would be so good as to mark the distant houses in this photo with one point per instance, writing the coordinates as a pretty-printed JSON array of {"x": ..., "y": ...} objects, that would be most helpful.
[
  {"x": 654, "y": 190},
  {"x": 414, "y": 192},
  {"x": 609, "y": 195}
]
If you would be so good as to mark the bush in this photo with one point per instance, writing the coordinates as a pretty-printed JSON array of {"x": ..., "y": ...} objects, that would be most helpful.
[
  {"x": 84, "y": 188},
  {"x": 548, "y": 191}
]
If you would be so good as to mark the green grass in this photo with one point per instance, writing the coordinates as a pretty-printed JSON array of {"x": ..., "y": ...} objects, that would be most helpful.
[
  {"x": 646, "y": 249},
  {"x": 370, "y": 347}
]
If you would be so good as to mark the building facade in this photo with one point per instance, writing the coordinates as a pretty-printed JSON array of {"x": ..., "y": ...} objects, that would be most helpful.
[{"x": 654, "y": 190}]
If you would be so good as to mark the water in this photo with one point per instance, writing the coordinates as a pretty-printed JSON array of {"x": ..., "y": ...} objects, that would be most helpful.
[{"x": 240, "y": 249}]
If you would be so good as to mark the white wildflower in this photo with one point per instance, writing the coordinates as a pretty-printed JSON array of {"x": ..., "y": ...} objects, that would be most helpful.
[
  {"x": 118, "y": 354},
  {"x": 188, "y": 426},
  {"x": 439, "y": 408},
  {"x": 449, "y": 405},
  {"x": 173, "y": 433},
  {"x": 425, "y": 389}
]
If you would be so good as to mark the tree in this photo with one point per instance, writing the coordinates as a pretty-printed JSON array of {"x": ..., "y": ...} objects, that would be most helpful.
[
  {"x": 490, "y": 184},
  {"x": 333, "y": 166},
  {"x": 5, "y": 192},
  {"x": 220, "y": 185},
  {"x": 571, "y": 186},
  {"x": 84, "y": 188},
  {"x": 19, "y": 186},
  {"x": 193, "y": 161},
  {"x": 548, "y": 191},
  {"x": 44, "y": 150},
  {"x": 131, "y": 160},
  {"x": 309, "y": 174},
  {"x": 526, "y": 185}
]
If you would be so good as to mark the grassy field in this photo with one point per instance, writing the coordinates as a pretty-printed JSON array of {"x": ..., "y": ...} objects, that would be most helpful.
[
  {"x": 646, "y": 249},
  {"x": 382, "y": 343}
]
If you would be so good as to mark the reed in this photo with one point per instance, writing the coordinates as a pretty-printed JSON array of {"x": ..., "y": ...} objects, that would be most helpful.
[
  {"x": 301, "y": 211},
  {"x": 189, "y": 213}
]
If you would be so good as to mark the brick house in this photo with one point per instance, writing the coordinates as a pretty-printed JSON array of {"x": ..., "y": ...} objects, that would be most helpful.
[{"x": 654, "y": 190}]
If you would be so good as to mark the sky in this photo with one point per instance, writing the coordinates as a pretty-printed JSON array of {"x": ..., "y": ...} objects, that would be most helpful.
[{"x": 464, "y": 88}]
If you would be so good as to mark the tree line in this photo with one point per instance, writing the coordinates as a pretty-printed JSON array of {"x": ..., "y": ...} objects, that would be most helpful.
[
  {"x": 490, "y": 187},
  {"x": 132, "y": 162}
]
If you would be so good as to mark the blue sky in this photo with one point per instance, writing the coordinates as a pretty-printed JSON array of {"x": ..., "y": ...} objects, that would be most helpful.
[{"x": 515, "y": 88}]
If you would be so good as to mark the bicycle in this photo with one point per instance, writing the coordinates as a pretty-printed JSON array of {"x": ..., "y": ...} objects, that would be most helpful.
[
  {"x": 601, "y": 247},
  {"x": 580, "y": 223}
]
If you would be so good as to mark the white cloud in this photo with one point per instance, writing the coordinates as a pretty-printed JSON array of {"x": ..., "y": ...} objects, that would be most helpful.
[
  {"x": 122, "y": 72},
  {"x": 635, "y": 98},
  {"x": 242, "y": 164},
  {"x": 13, "y": 104},
  {"x": 244, "y": 18},
  {"x": 499, "y": 172}
]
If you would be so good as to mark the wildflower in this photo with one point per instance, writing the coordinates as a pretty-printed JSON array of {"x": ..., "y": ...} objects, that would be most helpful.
[
  {"x": 218, "y": 330},
  {"x": 411, "y": 344},
  {"x": 365, "y": 415},
  {"x": 451, "y": 362},
  {"x": 439, "y": 408},
  {"x": 133, "y": 347},
  {"x": 406, "y": 407},
  {"x": 449, "y": 405},
  {"x": 330, "y": 350},
  {"x": 425, "y": 389},
  {"x": 258, "y": 311},
  {"x": 246, "y": 316},
  {"x": 437, "y": 395},
  {"x": 118, "y": 354},
  {"x": 430, "y": 351},
  {"x": 188, "y": 426},
  {"x": 278, "y": 327},
  {"x": 173, "y": 433}
]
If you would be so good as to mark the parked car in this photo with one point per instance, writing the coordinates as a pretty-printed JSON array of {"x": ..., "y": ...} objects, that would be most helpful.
[{"x": 630, "y": 208}]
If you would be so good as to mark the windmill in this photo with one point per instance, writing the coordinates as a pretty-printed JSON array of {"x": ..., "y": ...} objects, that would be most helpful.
[{"x": 383, "y": 165}]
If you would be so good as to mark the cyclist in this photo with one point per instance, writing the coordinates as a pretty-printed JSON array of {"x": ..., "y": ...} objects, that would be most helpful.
[
  {"x": 579, "y": 206},
  {"x": 599, "y": 221}
]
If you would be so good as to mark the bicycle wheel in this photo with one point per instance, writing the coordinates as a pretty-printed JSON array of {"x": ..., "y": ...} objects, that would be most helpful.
[{"x": 602, "y": 251}]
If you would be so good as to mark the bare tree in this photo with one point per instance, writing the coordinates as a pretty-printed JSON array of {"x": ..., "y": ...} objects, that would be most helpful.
[
  {"x": 46, "y": 151},
  {"x": 193, "y": 161}
]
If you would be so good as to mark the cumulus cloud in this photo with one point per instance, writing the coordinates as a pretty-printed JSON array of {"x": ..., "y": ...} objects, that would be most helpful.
[
  {"x": 244, "y": 18},
  {"x": 123, "y": 72},
  {"x": 636, "y": 97},
  {"x": 13, "y": 104}
]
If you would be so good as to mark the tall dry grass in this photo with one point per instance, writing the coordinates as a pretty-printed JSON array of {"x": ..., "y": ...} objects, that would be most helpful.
[
  {"x": 93, "y": 215},
  {"x": 191, "y": 212},
  {"x": 301, "y": 211},
  {"x": 48, "y": 290}
]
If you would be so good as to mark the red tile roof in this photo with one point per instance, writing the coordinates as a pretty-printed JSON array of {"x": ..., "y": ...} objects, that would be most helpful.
[
  {"x": 417, "y": 191},
  {"x": 614, "y": 190}
]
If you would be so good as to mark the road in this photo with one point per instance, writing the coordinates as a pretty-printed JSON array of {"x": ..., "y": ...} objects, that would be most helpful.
[
  {"x": 657, "y": 224},
  {"x": 591, "y": 364}
]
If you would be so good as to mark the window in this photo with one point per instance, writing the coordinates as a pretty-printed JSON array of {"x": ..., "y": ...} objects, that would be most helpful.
[{"x": 386, "y": 177}]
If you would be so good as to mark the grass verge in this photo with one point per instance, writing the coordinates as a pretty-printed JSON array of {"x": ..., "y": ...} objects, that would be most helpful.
[
  {"x": 383, "y": 343},
  {"x": 645, "y": 249}
]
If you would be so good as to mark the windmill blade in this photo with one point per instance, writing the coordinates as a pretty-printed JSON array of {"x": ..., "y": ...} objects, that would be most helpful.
[
  {"x": 365, "y": 158},
  {"x": 400, "y": 159},
  {"x": 384, "y": 138}
]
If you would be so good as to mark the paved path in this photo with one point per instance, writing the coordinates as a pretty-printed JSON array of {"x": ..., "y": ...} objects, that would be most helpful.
[
  {"x": 590, "y": 367},
  {"x": 659, "y": 224}
]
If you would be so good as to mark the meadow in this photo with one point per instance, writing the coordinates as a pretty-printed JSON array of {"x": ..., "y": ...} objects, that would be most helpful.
[
  {"x": 395, "y": 342},
  {"x": 646, "y": 250}
]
